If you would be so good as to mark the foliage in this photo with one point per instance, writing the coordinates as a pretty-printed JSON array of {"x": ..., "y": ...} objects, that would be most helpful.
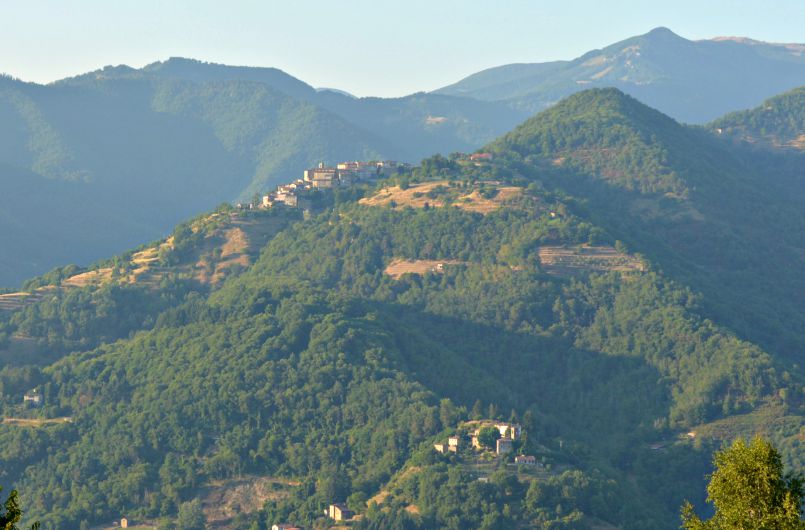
[
  {"x": 487, "y": 436},
  {"x": 11, "y": 513},
  {"x": 316, "y": 367},
  {"x": 748, "y": 490}
]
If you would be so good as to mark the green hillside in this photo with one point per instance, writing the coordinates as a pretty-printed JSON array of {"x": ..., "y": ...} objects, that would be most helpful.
[
  {"x": 779, "y": 122},
  {"x": 697, "y": 206},
  {"x": 175, "y": 138},
  {"x": 576, "y": 284}
]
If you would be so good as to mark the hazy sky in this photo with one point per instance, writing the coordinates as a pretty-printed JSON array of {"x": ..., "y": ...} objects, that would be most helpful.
[{"x": 367, "y": 47}]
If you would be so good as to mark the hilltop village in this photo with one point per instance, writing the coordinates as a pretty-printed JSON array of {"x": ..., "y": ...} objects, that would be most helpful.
[{"x": 296, "y": 194}]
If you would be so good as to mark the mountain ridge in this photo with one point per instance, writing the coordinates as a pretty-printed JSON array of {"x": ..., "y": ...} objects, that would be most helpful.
[{"x": 657, "y": 68}]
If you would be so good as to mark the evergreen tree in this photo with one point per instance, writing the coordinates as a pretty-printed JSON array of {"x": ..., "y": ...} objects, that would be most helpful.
[{"x": 11, "y": 514}]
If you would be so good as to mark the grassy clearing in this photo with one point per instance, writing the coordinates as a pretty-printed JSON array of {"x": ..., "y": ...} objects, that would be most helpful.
[
  {"x": 398, "y": 267},
  {"x": 481, "y": 198}
]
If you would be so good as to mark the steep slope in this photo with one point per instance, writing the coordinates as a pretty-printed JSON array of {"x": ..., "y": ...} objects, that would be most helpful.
[
  {"x": 622, "y": 291},
  {"x": 320, "y": 369},
  {"x": 692, "y": 81},
  {"x": 175, "y": 138},
  {"x": 778, "y": 123},
  {"x": 44, "y": 223},
  {"x": 698, "y": 206},
  {"x": 145, "y": 154},
  {"x": 417, "y": 125}
]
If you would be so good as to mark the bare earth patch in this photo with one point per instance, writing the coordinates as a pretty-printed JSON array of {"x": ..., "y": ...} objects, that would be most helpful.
[
  {"x": 223, "y": 500},
  {"x": 35, "y": 422},
  {"x": 398, "y": 267},
  {"x": 798, "y": 142}
]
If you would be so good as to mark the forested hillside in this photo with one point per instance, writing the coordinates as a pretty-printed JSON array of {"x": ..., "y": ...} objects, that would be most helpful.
[
  {"x": 778, "y": 123},
  {"x": 589, "y": 281},
  {"x": 164, "y": 143},
  {"x": 170, "y": 140},
  {"x": 726, "y": 221}
]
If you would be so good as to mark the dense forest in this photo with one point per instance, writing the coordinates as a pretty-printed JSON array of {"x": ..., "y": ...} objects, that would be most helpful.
[{"x": 319, "y": 368}]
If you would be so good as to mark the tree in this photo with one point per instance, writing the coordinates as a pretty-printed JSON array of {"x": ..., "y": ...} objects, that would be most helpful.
[
  {"x": 477, "y": 410},
  {"x": 448, "y": 414},
  {"x": 749, "y": 491},
  {"x": 11, "y": 514},
  {"x": 487, "y": 436},
  {"x": 191, "y": 517}
]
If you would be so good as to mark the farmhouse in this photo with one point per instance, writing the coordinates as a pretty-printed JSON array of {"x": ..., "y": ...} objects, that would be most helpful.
[
  {"x": 339, "y": 512},
  {"x": 525, "y": 459},
  {"x": 33, "y": 398}
]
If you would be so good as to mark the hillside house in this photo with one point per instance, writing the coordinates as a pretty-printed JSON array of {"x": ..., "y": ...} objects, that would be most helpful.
[
  {"x": 321, "y": 176},
  {"x": 503, "y": 446},
  {"x": 526, "y": 460},
  {"x": 339, "y": 512},
  {"x": 33, "y": 398},
  {"x": 440, "y": 448},
  {"x": 349, "y": 172},
  {"x": 509, "y": 430},
  {"x": 285, "y": 526},
  {"x": 124, "y": 523},
  {"x": 454, "y": 441},
  {"x": 481, "y": 157}
]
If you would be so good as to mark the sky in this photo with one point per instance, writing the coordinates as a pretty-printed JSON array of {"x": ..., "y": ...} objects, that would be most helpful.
[{"x": 366, "y": 47}]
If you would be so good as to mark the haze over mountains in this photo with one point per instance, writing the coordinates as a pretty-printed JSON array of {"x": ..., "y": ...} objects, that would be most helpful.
[
  {"x": 627, "y": 287},
  {"x": 691, "y": 81},
  {"x": 101, "y": 162}
]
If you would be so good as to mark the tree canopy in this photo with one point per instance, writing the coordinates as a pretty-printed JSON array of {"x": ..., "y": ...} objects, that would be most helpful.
[{"x": 750, "y": 491}]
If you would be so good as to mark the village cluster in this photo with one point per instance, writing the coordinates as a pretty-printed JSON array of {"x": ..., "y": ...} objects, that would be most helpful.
[
  {"x": 296, "y": 194},
  {"x": 509, "y": 434}
]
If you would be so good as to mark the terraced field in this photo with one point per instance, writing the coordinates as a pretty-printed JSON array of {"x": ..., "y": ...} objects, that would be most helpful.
[
  {"x": 236, "y": 244},
  {"x": 15, "y": 301},
  {"x": 398, "y": 267},
  {"x": 574, "y": 261}
]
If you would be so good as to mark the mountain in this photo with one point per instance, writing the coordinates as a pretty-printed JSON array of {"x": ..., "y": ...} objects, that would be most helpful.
[
  {"x": 623, "y": 287},
  {"x": 778, "y": 123},
  {"x": 178, "y": 137},
  {"x": 699, "y": 204},
  {"x": 162, "y": 143},
  {"x": 691, "y": 81}
]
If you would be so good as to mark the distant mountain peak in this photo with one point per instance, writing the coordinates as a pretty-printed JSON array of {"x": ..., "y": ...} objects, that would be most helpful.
[
  {"x": 662, "y": 32},
  {"x": 694, "y": 81},
  {"x": 336, "y": 91}
]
